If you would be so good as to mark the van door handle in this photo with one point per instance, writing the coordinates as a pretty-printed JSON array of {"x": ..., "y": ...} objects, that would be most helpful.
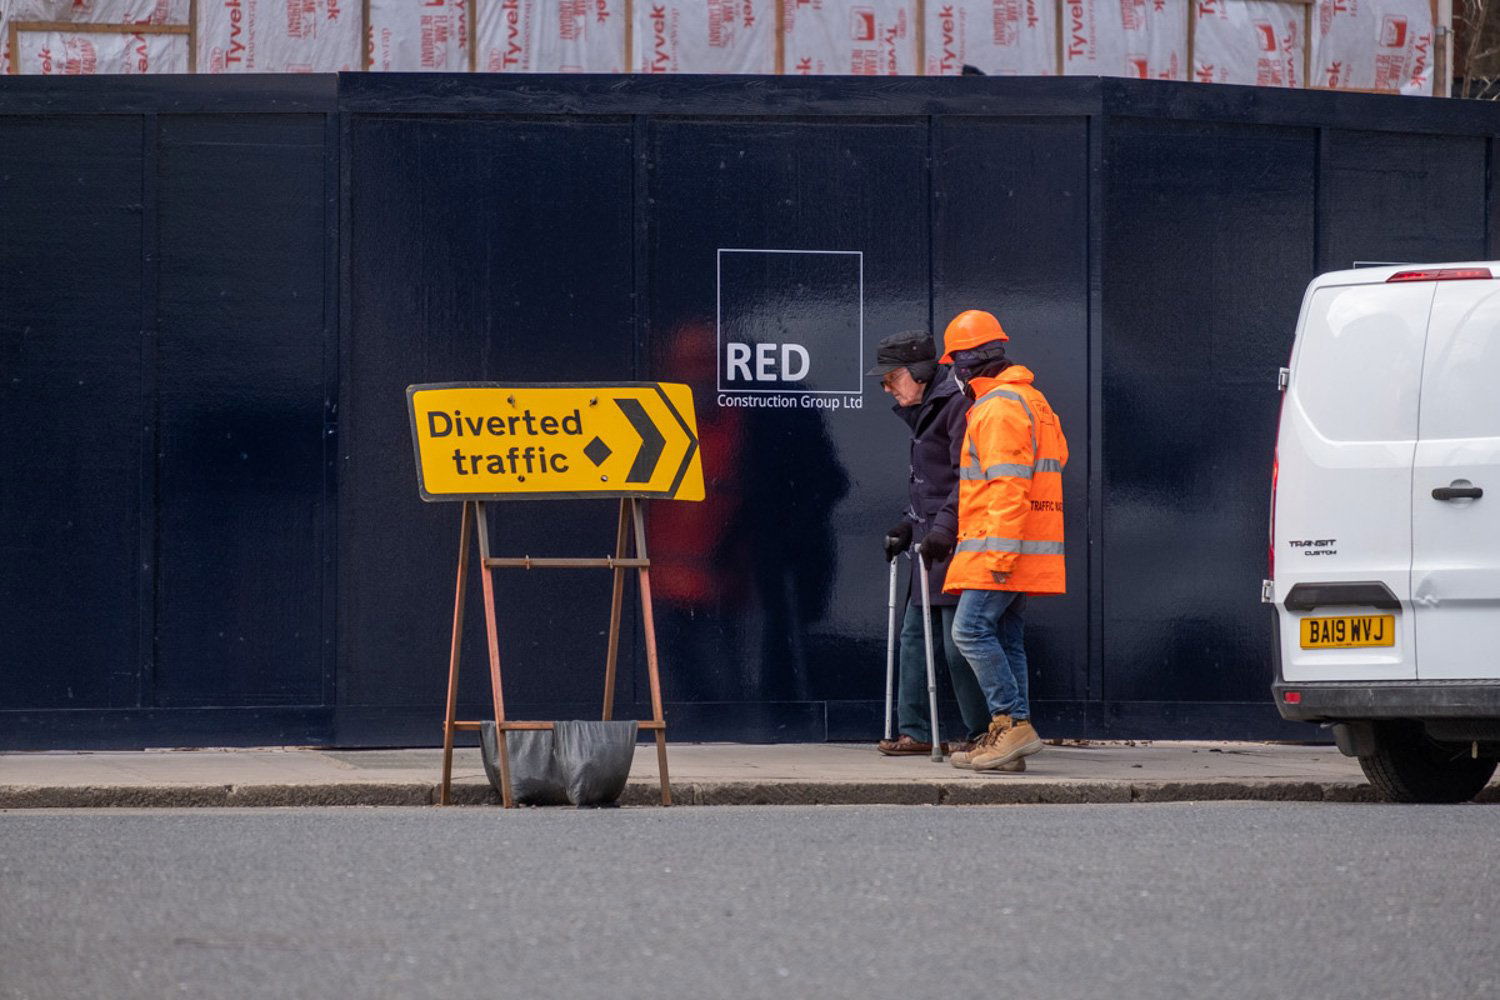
[{"x": 1457, "y": 493}]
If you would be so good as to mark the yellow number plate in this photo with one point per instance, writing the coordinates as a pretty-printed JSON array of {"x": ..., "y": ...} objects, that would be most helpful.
[{"x": 1350, "y": 632}]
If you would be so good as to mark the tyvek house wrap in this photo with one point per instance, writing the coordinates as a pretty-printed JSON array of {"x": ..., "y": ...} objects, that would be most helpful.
[
  {"x": 858, "y": 38},
  {"x": 1000, "y": 37},
  {"x": 70, "y": 53},
  {"x": 704, "y": 36},
  {"x": 104, "y": 53},
  {"x": 1251, "y": 42},
  {"x": 410, "y": 36},
  {"x": 1140, "y": 38},
  {"x": 552, "y": 36},
  {"x": 1358, "y": 45},
  {"x": 278, "y": 36}
]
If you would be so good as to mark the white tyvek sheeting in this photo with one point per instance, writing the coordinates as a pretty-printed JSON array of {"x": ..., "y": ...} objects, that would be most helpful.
[
  {"x": 87, "y": 12},
  {"x": 1360, "y": 45},
  {"x": 1250, "y": 42},
  {"x": 851, "y": 37},
  {"x": 552, "y": 36},
  {"x": 1140, "y": 38},
  {"x": 704, "y": 36},
  {"x": 66, "y": 53},
  {"x": 101, "y": 11},
  {"x": 1001, "y": 37},
  {"x": 278, "y": 36},
  {"x": 408, "y": 36}
]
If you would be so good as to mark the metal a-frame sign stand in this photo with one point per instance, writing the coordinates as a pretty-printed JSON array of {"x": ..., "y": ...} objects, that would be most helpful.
[
  {"x": 631, "y": 511},
  {"x": 481, "y": 441}
]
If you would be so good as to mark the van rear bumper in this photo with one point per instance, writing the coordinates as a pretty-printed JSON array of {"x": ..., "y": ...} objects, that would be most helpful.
[
  {"x": 1331, "y": 701},
  {"x": 1335, "y": 701}
]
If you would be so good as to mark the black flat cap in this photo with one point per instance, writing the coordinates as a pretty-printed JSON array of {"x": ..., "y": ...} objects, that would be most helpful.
[{"x": 900, "y": 350}]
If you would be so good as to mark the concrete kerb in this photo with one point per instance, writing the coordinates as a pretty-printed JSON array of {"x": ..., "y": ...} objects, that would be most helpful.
[{"x": 701, "y": 793}]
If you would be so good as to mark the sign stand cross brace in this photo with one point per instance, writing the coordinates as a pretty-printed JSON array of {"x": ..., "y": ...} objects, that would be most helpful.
[{"x": 631, "y": 514}]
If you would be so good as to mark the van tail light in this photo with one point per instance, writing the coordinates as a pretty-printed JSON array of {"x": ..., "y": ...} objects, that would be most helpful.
[
  {"x": 1442, "y": 274},
  {"x": 1292, "y": 697},
  {"x": 1271, "y": 540}
]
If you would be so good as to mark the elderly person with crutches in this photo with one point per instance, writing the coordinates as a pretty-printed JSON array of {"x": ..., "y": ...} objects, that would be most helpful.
[{"x": 929, "y": 401}]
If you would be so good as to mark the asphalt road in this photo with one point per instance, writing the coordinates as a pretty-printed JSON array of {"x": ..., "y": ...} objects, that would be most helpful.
[{"x": 927, "y": 903}]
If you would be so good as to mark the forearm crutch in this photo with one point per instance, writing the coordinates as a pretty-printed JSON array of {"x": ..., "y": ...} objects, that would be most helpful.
[
  {"x": 932, "y": 708},
  {"x": 890, "y": 655}
]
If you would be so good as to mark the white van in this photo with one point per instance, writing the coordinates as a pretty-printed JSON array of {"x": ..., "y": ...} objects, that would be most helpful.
[{"x": 1385, "y": 525}]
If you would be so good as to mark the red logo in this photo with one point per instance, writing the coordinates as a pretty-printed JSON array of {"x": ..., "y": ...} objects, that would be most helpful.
[
  {"x": 1419, "y": 64},
  {"x": 512, "y": 15},
  {"x": 862, "y": 27},
  {"x": 1393, "y": 32},
  {"x": 1078, "y": 43},
  {"x": 947, "y": 23},
  {"x": 1140, "y": 67},
  {"x": 1267, "y": 35},
  {"x": 236, "y": 47},
  {"x": 661, "y": 60}
]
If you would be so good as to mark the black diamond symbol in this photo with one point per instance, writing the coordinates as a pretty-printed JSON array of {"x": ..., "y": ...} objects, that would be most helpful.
[{"x": 597, "y": 451}]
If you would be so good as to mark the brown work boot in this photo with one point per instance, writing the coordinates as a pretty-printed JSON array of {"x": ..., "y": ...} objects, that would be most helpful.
[
  {"x": 964, "y": 756},
  {"x": 1018, "y": 740},
  {"x": 962, "y": 759}
]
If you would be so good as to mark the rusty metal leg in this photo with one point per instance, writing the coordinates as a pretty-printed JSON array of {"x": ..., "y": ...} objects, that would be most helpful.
[
  {"x": 621, "y": 534},
  {"x": 454, "y": 649},
  {"x": 648, "y": 624},
  {"x": 492, "y": 634}
]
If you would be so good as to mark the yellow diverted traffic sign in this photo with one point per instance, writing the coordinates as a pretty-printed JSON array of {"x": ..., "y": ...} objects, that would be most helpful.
[{"x": 488, "y": 441}]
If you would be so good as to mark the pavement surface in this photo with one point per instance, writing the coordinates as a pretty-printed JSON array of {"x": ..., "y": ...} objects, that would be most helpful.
[
  {"x": 1222, "y": 900},
  {"x": 701, "y": 774}
]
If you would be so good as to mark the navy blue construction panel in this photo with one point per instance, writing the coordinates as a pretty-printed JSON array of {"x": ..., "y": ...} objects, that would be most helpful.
[
  {"x": 240, "y": 502},
  {"x": 479, "y": 249},
  {"x": 168, "y": 318},
  {"x": 774, "y": 589},
  {"x": 71, "y": 302},
  {"x": 1011, "y": 235},
  {"x": 1400, "y": 198},
  {"x": 1207, "y": 249}
]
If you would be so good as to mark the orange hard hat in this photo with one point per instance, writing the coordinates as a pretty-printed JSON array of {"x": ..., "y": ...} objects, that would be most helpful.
[{"x": 970, "y": 329}]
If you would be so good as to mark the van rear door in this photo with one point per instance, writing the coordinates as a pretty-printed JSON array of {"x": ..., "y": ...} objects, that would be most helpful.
[
  {"x": 1456, "y": 532},
  {"x": 1342, "y": 528}
]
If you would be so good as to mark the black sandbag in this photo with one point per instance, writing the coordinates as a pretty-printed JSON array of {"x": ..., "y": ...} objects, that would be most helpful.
[
  {"x": 535, "y": 778},
  {"x": 594, "y": 759}
]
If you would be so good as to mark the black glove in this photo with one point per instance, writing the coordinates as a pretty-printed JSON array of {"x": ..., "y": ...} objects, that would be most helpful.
[
  {"x": 937, "y": 546},
  {"x": 897, "y": 540}
]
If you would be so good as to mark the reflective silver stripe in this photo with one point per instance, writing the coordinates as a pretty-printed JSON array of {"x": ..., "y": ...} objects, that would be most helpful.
[
  {"x": 995, "y": 472},
  {"x": 1005, "y": 394},
  {"x": 1011, "y": 545},
  {"x": 1048, "y": 465},
  {"x": 973, "y": 454}
]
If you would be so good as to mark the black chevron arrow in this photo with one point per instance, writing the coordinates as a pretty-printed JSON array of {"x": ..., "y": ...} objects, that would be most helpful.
[{"x": 652, "y": 441}]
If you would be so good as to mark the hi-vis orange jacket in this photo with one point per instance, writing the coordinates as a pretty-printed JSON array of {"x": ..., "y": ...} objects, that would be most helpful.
[{"x": 1010, "y": 501}]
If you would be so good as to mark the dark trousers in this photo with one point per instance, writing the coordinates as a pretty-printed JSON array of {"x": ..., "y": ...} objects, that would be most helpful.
[{"x": 911, "y": 700}]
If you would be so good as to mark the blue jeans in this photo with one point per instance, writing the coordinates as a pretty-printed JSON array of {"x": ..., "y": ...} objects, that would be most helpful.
[
  {"x": 990, "y": 632},
  {"x": 912, "y": 709}
]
